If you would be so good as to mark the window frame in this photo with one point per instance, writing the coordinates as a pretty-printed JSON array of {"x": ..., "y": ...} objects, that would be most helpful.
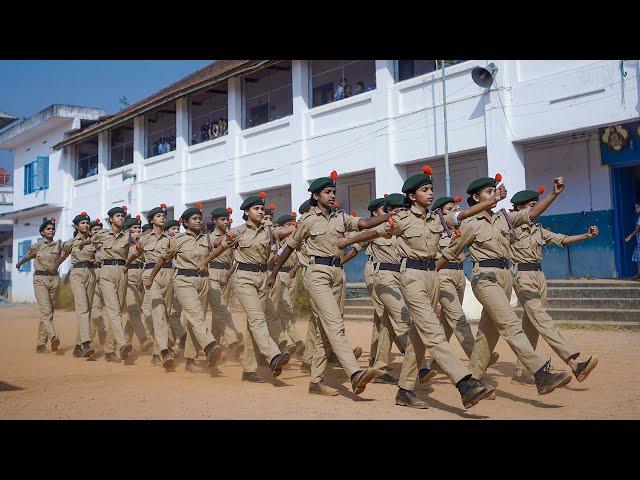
[
  {"x": 342, "y": 75},
  {"x": 122, "y": 146},
  {"x": 22, "y": 252},
  {"x": 36, "y": 175},
  {"x": 244, "y": 98}
]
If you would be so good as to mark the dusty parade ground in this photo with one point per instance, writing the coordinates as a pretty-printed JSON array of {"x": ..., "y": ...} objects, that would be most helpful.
[{"x": 59, "y": 386}]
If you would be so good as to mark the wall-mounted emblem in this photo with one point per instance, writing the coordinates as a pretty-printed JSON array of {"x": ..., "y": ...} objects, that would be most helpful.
[{"x": 616, "y": 137}]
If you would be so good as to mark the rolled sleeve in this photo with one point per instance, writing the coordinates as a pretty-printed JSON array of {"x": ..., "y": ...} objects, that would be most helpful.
[
  {"x": 552, "y": 237},
  {"x": 352, "y": 223},
  {"x": 458, "y": 244},
  {"x": 520, "y": 217},
  {"x": 299, "y": 235}
]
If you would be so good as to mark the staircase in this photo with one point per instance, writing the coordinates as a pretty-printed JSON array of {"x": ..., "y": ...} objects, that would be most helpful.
[{"x": 590, "y": 301}]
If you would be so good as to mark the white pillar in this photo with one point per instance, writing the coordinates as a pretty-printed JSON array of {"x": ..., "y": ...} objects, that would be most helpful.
[
  {"x": 504, "y": 156},
  {"x": 139, "y": 141},
  {"x": 300, "y": 130},
  {"x": 103, "y": 166},
  {"x": 181, "y": 154},
  {"x": 388, "y": 177},
  {"x": 234, "y": 145}
]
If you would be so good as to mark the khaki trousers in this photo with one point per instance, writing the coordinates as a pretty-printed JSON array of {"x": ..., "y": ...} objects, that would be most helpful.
[
  {"x": 133, "y": 301},
  {"x": 45, "y": 288},
  {"x": 113, "y": 284},
  {"x": 253, "y": 295},
  {"x": 452, "y": 317},
  {"x": 219, "y": 299},
  {"x": 281, "y": 295},
  {"x": 177, "y": 320},
  {"x": 154, "y": 306},
  {"x": 83, "y": 286},
  {"x": 420, "y": 292},
  {"x": 492, "y": 287},
  {"x": 531, "y": 289},
  {"x": 192, "y": 293},
  {"x": 326, "y": 288},
  {"x": 395, "y": 320},
  {"x": 97, "y": 323}
]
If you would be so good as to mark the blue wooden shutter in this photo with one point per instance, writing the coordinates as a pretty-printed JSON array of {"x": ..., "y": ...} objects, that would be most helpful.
[
  {"x": 23, "y": 250},
  {"x": 26, "y": 179},
  {"x": 42, "y": 175}
]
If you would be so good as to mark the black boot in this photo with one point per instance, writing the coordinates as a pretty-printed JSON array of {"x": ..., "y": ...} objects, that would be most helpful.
[
  {"x": 87, "y": 350},
  {"x": 125, "y": 350},
  {"x": 191, "y": 366},
  {"x": 77, "y": 351},
  {"x": 252, "y": 377},
  {"x": 583, "y": 369},
  {"x": 426, "y": 374},
  {"x": 213, "y": 351},
  {"x": 111, "y": 357},
  {"x": 278, "y": 362},
  {"x": 547, "y": 382},
  {"x": 290, "y": 349},
  {"x": 360, "y": 379},
  {"x": 357, "y": 352},
  {"x": 320, "y": 388},
  {"x": 407, "y": 398},
  {"x": 385, "y": 378},
  {"x": 472, "y": 391},
  {"x": 167, "y": 359},
  {"x": 41, "y": 349},
  {"x": 156, "y": 360},
  {"x": 55, "y": 343}
]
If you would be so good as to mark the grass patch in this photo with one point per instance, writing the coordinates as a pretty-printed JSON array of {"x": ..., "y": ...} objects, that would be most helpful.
[
  {"x": 598, "y": 327},
  {"x": 64, "y": 297},
  {"x": 300, "y": 299}
]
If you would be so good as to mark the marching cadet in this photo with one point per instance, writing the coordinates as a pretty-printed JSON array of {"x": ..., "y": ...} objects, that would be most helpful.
[
  {"x": 97, "y": 323},
  {"x": 221, "y": 287},
  {"x": 284, "y": 290},
  {"x": 489, "y": 236},
  {"x": 453, "y": 283},
  {"x": 83, "y": 282},
  {"x": 47, "y": 255},
  {"x": 382, "y": 276},
  {"x": 418, "y": 233},
  {"x": 177, "y": 321},
  {"x": 531, "y": 287},
  {"x": 151, "y": 246},
  {"x": 114, "y": 247},
  {"x": 191, "y": 287},
  {"x": 135, "y": 292},
  {"x": 252, "y": 247},
  {"x": 324, "y": 280}
]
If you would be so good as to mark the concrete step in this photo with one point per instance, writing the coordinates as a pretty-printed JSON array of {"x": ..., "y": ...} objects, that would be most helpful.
[
  {"x": 357, "y": 318},
  {"x": 604, "y": 283},
  {"x": 586, "y": 302},
  {"x": 590, "y": 314},
  {"x": 365, "y": 311},
  {"x": 593, "y": 292},
  {"x": 358, "y": 302}
]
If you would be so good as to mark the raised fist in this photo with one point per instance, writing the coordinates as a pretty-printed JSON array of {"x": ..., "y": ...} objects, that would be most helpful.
[
  {"x": 593, "y": 231},
  {"x": 558, "y": 185}
]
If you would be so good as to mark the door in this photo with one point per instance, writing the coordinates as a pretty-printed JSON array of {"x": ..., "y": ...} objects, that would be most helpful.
[{"x": 625, "y": 194}]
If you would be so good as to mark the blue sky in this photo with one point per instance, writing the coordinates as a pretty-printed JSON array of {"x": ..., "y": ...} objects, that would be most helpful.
[{"x": 28, "y": 86}]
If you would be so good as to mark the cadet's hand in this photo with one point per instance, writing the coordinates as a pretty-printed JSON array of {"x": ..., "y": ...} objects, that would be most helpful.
[
  {"x": 500, "y": 193},
  {"x": 147, "y": 282},
  {"x": 292, "y": 274},
  {"x": 125, "y": 269},
  {"x": 224, "y": 277},
  {"x": 203, "y": 267},
  {"x": 342, "y": 243},
  {"x": 271, "y": 281},
  {"x": 231, "y": 240},
  {"x": 628, "y": 239},
  {"x": 593, "y": 231},
  {"x": 558, "y": 185}
]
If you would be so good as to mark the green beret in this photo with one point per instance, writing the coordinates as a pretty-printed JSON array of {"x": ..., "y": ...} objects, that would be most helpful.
[
  {"x": 115, "y": 210},
  {"x": 190, "y": 212},
  {"x": 48, "y": 221},
  {"x": 441, "y": 202},
  {"x": 480, "y": 183},
  {"x": 81, "y": 217},
  {"x": 130, "y": 222},
  {"x": 524, "y": 196},
  {"x": 284, "y": 219},
  {"x": 375, "y": 204},
  {"x": 414, "y": 182},
  {"x": 219, "y": 212},
  {"x": 251, "y": 201},
  {"x": 320, "y": 183},
  {"x": 268, "y": 211},
  {"x": 304, "y": 207},
  {"x": 170, "y": 223},
  {"x": 395, "y": 200},
  {"x": 155, "y": 211},
  {"x": 147, "y": 226},
  {"x": 96, "y": 223}
]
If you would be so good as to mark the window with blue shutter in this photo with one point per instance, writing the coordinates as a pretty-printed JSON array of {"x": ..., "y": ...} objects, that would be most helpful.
[
  {"x": 23, "y": 250},
  {"x": 36, "y": 175}
]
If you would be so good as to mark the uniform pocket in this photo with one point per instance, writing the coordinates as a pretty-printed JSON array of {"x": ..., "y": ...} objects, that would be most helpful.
[{"x": 412, "y": 232}]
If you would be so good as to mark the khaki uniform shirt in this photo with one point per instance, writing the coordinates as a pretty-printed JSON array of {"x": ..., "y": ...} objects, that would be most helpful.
[
  {"x": 530, "y": 238},
  {"x": 292, "y": 261},
  {"x": 418, "y": 234},
  {"x": 154, "y": 246},
  {"x": 254, "y": 244},
  {"x": 381, "y": 250},
  {"x": 112, "y": 246},
  {"x": 134, "y": 251},
  {"x": 321, "y": 232},
  {"x": 486, "y": 239},
  {"x": 86, "y": 254},
  {"x": 227, "y": 255},
  {"x": 302, "y": 255},
  {"x": 188, "y": 250},
  {"x": 46, "y": 254}
]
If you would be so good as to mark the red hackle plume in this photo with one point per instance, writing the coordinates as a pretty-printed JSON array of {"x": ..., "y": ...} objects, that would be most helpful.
[
  {"x": 354, "y": 213},
  {"x": 294, "y": 214},
  {"x": 498, "y": 177},
  {"x": 262, "y": 195},
  {"x": 83, "y": 214},
  {"x": 334, "y": 175},
  {"x": 163, "y": 205},
  {"x": 272, "y": 206},
  {"x": 336, "y": 204},
  {"x": 541, "y": 189},
  {"x": 458, "y": 199},
  {"x": 229, "y": 210},
  {"x": 138, "y": 217},
  {"x": 199, "y": 205},
  {"x": 426, "y": 169}
]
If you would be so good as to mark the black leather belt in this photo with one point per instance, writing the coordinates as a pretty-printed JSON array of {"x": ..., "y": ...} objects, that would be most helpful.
[
  {"x": 219, "y": 265},
  {"x": 421, "y": 264},
  {"x": 453, "y": 266},
  {"x": 135, "y": 265},
  {"x": 495, "y": 263},
  {"x": 45, "y": 273},
  {"x": 251, "y": 267},
  {"x": 114, "y": 262},
  {"x": 394, "y": 267},
  {"x": 83, "y": 265},
  {"x": 330, "y": 261},
  {"x": 192, "y": 272},
  {"x": 529, "y": 267},
  {"x": 149, "y": 265},
  {"x": 285, "y": 269}
]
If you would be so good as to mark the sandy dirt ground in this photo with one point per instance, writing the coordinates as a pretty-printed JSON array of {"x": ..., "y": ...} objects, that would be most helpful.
[{"x": 59, "y": 386}]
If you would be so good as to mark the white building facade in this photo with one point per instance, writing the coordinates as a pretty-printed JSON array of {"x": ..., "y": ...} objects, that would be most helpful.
[{"x": 274, "y": 126}]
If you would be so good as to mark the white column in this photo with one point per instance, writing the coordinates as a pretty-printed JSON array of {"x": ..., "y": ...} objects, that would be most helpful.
[
  {"x": 389, "y": 178},
  {"x": 300, "y": 130},
  {"x": 503, "y": 155},
  {"x": 138, "y": 157},
  {"x": 182, "y": 155},
  {"x": 234, "y": 145},
  {"x": 103, "y": 166}
]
